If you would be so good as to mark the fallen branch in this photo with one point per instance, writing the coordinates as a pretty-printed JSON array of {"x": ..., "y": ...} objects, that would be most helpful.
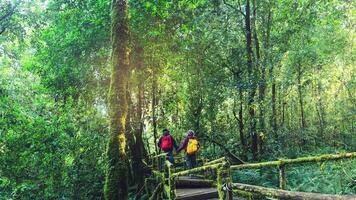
[{"x": 235, "y": 158}]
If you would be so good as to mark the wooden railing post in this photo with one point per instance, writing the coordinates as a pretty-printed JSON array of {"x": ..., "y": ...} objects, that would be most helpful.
[
  {"x": 228, "y": 182},
  {"x": 224, "y": 178},
  {"x": 147, "y": 191},
  {"x": 282, "y": 176},
  {"x": 219, "y": 181},
  {"x": 171, "y": 181}
]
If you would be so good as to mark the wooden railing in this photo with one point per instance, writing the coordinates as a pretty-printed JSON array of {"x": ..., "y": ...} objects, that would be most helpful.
[
  {"x": 281, "y": 165},
  {"x": 222, "y": 169},
  {"x": 166, "y": 178}
]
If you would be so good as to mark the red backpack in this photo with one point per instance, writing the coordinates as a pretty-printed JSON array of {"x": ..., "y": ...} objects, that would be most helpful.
[{"x": 166, "y": 144}]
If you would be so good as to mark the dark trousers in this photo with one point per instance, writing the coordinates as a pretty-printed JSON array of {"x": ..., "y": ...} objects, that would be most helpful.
[
  {"x": 191, "y": 161},
  {"x": 170, "y": 157}
]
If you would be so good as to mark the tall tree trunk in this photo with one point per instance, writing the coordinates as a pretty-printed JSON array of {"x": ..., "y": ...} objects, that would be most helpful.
[
  {"x": 284, "y": 104},
  {"x": 154, "y": 103},
  {"x": 130, "y": 146},
  {"x": 262, "y": 82},
  {"x": 252, "y": 83},
  {"x": 273, "y": 98},
  {"x": 139, "y": 152},
  {"x": 116, "y": 186},
  {"x": 239, "y": 117},
  {"x": 268, "y": 62},
  {"x": 320, "y": 106},
  {"x": 300, "y": 93}
]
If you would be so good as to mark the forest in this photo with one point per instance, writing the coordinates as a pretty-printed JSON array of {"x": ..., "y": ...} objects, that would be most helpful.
[{"x": 88, "y": 86}]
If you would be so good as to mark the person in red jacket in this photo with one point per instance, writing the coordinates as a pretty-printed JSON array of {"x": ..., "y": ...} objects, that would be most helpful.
[
  {"x": 166, "y": 143},
  {"x": 190, "y": 158}
]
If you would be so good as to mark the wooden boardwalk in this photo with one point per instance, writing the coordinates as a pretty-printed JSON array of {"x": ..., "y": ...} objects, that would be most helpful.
[
  {"x": 189, "y": 188},
  {"x": 197, "y": 193},
  {"x": 177, "y": 185}
]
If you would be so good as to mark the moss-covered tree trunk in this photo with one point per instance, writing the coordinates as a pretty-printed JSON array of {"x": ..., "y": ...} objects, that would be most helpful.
[
  {"x": 116, "y": 178},
  {"x": 154, "y": 105},
  {"x": 252, "y": 82}
]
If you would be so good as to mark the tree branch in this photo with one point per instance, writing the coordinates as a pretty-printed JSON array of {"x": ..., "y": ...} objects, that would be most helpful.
[
  {"x": 233, "y": 7},
  {"x": 223, "y": 147},
  {"x": 234, "y": 113},
  {"x": 9, "y": 13},
  {"x": 2, "y": 30}
]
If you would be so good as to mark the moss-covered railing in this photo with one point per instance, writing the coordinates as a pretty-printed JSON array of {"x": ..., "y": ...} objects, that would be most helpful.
[
  {"x": 281, "y": 165},
  {"x": 166, "y": 179},
  {"x": 220, "y": 167},
  {"x": 157, "y": 162}
]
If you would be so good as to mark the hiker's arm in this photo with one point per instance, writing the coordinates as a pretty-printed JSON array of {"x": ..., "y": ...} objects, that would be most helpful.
[
  {"x": 174, "y": 144},
  {"x": 182, "y": 145}
]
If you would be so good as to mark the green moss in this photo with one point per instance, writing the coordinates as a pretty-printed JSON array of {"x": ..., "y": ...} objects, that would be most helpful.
[
  {"x": 171, "y": 181},
  {"x": 219, "y": 183},
  {"x": 223, "y": 171},
  {"x": 242, "y": 193},
  {"x": 219, "y": 160},
  {"x": 198, "y": 169},
  {"x": 116, "y": 183},
  {"x": 321, "y": 158},
  {"x": 282, "y": 177}
]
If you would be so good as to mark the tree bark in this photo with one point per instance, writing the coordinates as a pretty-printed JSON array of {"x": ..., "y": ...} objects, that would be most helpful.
[
  {"x": 130, "y": 147},
  {"x": 320, "y": 106},
  {"x": 116, "y": 186},
  {"x": 252, "y": 84},
  {"x": 139, "y": 152},
  {"x": 262, "y": 82},
  {"x": 239, "y": 118},
  {"x": 300, "y": 93},
  {"x": 154, "y": 103}
]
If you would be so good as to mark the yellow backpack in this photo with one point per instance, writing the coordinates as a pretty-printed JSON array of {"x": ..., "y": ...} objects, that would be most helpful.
[{"x": 192, "y": 146}]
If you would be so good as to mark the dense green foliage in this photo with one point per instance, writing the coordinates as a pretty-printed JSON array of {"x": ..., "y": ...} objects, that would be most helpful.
[{"x": 292, "y": 95}]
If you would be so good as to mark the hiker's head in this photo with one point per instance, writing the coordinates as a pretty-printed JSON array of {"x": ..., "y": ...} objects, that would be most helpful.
[
  {"x": 190, "y": 133},
  {"x": 165, "y": 131}
]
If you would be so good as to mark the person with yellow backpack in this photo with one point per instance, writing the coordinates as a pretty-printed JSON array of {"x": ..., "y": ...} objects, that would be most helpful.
[{"x": 191, "y": 145}]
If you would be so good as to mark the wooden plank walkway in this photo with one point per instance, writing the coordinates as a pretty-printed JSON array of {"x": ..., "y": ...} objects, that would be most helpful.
[
  {"x": 189, "y": 188},
  {"x": 193, "y": 188},
  {"x": 179, "y": 186},
  {"x": 197, "y": 193},
  {"x": 193, "y": 182}
]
